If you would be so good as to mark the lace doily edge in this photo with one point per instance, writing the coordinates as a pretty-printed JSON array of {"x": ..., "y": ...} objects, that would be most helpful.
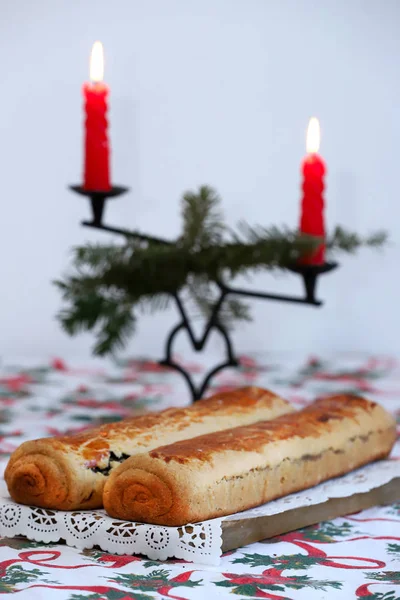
[{"x": 178, "y": 552}]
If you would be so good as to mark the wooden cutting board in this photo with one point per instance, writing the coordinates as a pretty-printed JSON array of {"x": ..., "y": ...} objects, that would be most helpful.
[{"x": 236, "y": 534}]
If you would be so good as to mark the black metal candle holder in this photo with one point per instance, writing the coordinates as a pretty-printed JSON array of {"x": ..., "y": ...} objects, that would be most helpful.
[{"x": 309, "y": 274}]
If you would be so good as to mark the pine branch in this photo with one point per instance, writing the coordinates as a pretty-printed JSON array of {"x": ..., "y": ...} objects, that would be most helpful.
[
  {"x": 234, "y": 310},
  {"x": 91, "y": 306},
  {"x": 204, "y": 298},
  {"x": 111, "y": 284},
  {"x": 350, "y": 242},
  {"x": 202, "y": 219}
]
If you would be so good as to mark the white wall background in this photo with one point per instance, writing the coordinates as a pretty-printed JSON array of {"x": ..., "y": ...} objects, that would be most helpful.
[{"x": 203, "y": 91}]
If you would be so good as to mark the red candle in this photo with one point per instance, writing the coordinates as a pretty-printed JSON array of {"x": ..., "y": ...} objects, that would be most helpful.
[
  {"x": 97, "y": 150},
  {"x": 312, "y": 203}
]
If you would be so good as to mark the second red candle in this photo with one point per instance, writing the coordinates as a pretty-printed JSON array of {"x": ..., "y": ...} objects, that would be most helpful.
[{"x": 312, "y": 220}]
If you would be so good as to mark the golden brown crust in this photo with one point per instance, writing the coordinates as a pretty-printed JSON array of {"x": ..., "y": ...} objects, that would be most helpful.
[
  {"x": 312, "y": 421},
  {"x": 94, "y": 442},
  {"x": 69, "y": 472},
  {"x": 229, "y": 471}
]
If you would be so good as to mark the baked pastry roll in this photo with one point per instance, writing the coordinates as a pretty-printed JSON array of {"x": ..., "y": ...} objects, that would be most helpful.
[
  {"x": 69, "y": 472},
  {"x": 230, "y": 471}
]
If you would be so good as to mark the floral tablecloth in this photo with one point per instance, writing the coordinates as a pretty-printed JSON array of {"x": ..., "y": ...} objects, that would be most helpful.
[{"x": 353, "y": 557}]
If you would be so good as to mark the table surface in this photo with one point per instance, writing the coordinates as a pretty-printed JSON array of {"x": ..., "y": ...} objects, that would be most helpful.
[{"x": 352, "y": 557}]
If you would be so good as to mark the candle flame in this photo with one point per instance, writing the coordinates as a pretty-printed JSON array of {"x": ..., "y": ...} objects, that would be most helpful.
[
  {"x": 313, "y": 136},
  {"x": 97, "y": 63}
]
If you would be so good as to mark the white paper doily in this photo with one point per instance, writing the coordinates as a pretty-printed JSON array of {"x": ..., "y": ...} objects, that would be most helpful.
[{"x": 199, "y": 542}]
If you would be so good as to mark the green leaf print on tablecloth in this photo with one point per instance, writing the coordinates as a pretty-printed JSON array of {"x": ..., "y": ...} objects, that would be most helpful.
[
  {"x": 394, "y": 549},
  {"x": 16, "y": 575},
  {"x": 289, "y": 561},
  {"x": 156, "y": 581},
  {"x": 272, "y": 580}
]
